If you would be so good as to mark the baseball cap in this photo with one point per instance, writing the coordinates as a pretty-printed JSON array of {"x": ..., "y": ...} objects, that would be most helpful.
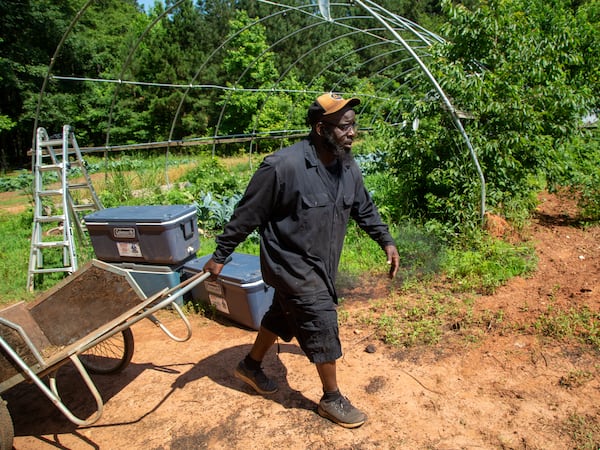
[{"x": 328, "y": 104}]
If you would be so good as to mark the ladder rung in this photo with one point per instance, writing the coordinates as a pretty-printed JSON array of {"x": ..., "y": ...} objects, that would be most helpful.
[
  {"x": 53, "y": 270},
  {"x": 51, "y": 192},
  {"x": 84, "y": 206},
  {"x": 79, "y": 186},
  {"x": 51, "y": 244},
  {"x": 48, "y": 167},
  {"x": 52, "y": 142},
  {"x": 46, "y": 219}
]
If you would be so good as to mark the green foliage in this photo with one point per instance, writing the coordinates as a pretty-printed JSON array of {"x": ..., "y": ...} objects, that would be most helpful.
[
  {"x": 419, "y": 319},
  {"x": 6, "y": 123},
  {"x": 576, "y": 167},
  {"x": 214, "y": 214},
  {"x": 211, "y": 176},
  {"x": 22, "y": 180},
  {"x": 484, "y": 263},
  {"x": 250, "y": 64},
  {"x": 15, "y": 235},
  {"x": 519, "y": 69},
  {"x": 360, "y": 254},
  {"x": 421, "y": 253},
  {"x": 94, "y": 48}
]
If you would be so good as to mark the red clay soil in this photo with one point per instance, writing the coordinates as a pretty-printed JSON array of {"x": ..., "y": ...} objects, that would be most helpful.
[{"x": 508, "y": 390}]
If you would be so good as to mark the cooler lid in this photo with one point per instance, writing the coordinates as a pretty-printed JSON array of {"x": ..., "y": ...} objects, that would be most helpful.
[
  {"x": 158, "y": 214},
  {"x": 242, "y": 268}
]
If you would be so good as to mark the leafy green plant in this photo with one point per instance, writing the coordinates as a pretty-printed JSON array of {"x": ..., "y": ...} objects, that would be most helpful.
[
  {"x": 577, "y": 169},
  {"x": 211, "y": 176},
  {"x": 214, "y": 213},
  {"x": 524, "y": 88},
  {"x": 118, "y": 191},
  {"x": 483, "y": 263},
  {"x": 23, "y": 180}
]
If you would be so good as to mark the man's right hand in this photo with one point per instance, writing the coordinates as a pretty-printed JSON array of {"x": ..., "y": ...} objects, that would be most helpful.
[{"x": 213, "y": 267}]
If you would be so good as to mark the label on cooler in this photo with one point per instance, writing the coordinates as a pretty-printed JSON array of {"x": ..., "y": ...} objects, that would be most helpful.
[
  {"x": 214, "y": 287},
  {"x": 129, "y": 249},
  {"x": 219, "y": 302}
]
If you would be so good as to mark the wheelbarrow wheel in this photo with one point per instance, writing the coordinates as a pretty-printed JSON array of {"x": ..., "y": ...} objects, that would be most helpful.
[
  {"x": 111, "y": 355},
  {"x": 7, "y": 432}
]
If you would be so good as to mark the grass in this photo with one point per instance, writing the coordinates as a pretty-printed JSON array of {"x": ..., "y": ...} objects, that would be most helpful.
[{"x": 15, "y": 235}]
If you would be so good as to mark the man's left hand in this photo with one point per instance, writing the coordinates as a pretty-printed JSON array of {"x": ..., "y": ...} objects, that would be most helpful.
[{"x": 393, "y": 259}]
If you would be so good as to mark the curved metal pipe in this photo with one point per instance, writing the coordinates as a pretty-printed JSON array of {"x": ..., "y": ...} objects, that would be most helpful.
[{"x": 444, "y": 97}]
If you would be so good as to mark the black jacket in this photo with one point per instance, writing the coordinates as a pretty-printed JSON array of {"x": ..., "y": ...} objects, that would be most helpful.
[{"x": 302, "y": 227}]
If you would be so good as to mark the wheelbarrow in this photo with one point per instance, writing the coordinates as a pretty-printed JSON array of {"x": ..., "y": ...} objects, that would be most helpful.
[{"x": 85, "y": 320}]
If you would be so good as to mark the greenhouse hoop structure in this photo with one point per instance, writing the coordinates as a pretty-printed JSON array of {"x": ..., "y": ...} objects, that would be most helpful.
[{"x": 368, "y": 41}]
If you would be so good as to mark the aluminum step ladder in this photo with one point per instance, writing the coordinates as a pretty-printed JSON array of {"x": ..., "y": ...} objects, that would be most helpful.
[{"x": 59, "y": 205}]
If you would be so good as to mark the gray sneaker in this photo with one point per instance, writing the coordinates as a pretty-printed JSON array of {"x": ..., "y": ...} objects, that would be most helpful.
[
  {"x": 342, "y": 412},
  {"x": 255, "y": 379}
]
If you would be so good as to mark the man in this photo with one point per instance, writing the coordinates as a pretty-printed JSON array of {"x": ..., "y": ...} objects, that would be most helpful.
[{"x": 301, "y": 198}]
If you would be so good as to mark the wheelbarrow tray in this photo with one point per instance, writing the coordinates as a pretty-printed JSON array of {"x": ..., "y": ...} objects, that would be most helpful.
[
  {"x": 73, "y": 316},
  {"x": 86, "y": 308}
]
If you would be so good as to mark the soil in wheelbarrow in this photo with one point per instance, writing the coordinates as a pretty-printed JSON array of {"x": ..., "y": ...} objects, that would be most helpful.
[{"x": 512, "y": 387}]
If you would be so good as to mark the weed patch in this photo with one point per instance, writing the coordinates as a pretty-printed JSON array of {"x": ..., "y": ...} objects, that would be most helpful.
[
  {"x": 581, "y": 324},
  {"x": 584, "y": 431}
]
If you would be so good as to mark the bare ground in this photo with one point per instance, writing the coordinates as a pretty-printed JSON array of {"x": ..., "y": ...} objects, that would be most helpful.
[{"x": 508, "y": 390}]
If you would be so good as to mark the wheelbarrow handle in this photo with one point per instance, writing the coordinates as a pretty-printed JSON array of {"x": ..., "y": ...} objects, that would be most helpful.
[{"x": 192, "y": 279}]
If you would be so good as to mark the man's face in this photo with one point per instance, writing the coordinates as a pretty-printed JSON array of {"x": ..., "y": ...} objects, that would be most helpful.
[{"x": 338, "y": 131}]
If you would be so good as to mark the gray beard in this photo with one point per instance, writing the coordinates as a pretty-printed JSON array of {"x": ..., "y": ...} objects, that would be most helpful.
[{"x": 336, "y": 149}]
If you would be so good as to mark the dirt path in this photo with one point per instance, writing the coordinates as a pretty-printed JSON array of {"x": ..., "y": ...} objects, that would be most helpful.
[{"x": 509, "y": 390}]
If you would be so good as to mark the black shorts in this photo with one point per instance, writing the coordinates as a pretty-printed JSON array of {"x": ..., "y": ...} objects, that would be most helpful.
[{"x": 312, "y": 320}]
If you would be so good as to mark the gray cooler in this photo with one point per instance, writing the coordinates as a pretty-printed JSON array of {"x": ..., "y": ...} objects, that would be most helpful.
[
  {"x": 163, "y": 234},
  {"x": 239, "y": 293}
]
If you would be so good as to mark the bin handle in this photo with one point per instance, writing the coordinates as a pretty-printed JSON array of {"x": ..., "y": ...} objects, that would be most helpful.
[{"x": 184, "y": 229}]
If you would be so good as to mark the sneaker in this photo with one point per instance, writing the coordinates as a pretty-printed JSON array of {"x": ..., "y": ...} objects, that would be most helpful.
[
  {"x": 342, "y": 412},
  {"x": 256, "y": 379}
]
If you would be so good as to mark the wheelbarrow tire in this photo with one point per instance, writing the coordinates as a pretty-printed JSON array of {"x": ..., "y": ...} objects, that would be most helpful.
[
  {"x": 110, "y": 356},
  {"x": 7, "y": 432}
]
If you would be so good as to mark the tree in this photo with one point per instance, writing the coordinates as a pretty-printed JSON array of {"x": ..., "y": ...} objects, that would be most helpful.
[
  {"x": 520, "y": 69},
  {"x": 31, "y": 33},
  {"x": 250, "y": 66}
]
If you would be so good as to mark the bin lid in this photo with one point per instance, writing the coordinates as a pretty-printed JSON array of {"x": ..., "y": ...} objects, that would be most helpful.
[
  {"x": 242, "y": 268},
  {"x": 159, "y": 214}
]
